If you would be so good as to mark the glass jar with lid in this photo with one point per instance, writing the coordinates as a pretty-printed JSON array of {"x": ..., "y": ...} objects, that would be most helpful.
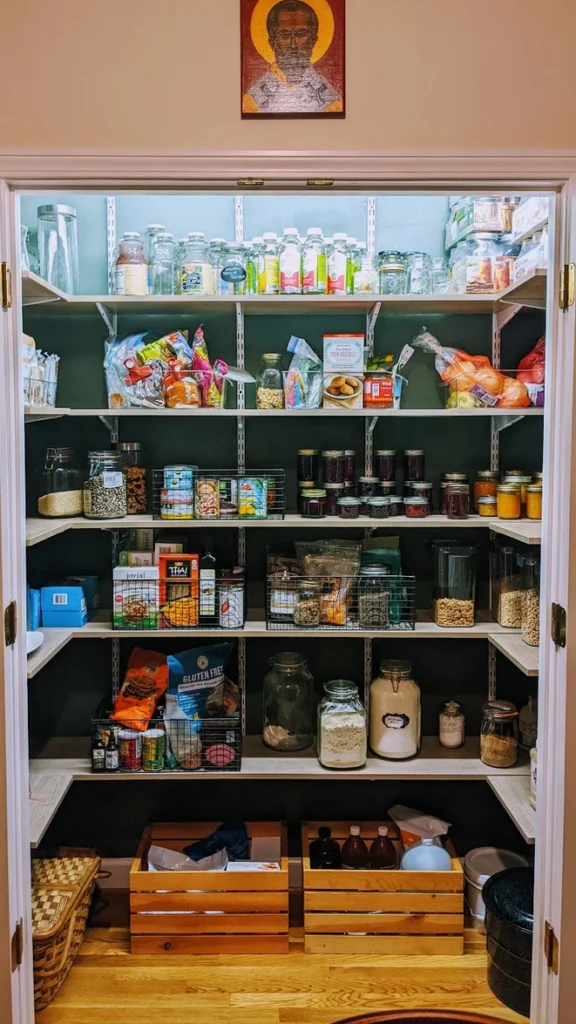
[
  {"x": 313, "y": 503},
  {"x": 349, "y": 464},
  {"x": 288, "y": 703},
  {"x": 136, "y": 477},
  {"x": 385, "y": 464},
  {"x": 416, "y": 508},
  {"x": 487, "y": 506},
  {"x": 215, "y": 249},
  {"x": 531, "y": 600},
  {"x": 457, "y": 497},
  {"x": 395, "y": 712},
  {"x": 417, "y": 489},
  {"x": 232, "y": 269},
  {"x": 333, "y": 493},
  {"x": 162, "y": 266},
  {"x": 197, "y": 271},
  {"x": 521, "y": 480},
  {"x": 305, "y": 485},
  {"x": 480, "y": 262},
  {"x": 499, "y": 734},
  {"x": 485, "y": 485},
  {"x": 534, "y": 501},
  {"x": 342, "y": 738},
  {"x": 414, "y": 464},
  {"x": 337, "y": 263},
  {"x": 62, "y": 484},
  {"x": 307, "y": 466},
  {"x": 374, "y": 597},
  {"x": 508, "y": 501},
  {"x": 454, "y": 585},
  {"x": 441, "y": 278},
  {"x": 333, "y": 466},
  {"x": 506, "y": 586},
  {"x": 130, "y": 266},
  {"x": 307, "y": 606},
  {"x": 445, "y": 480},
  {"x": 105, "y": 487},
  {"x": 392, "y": 271},
  {"x": 269, "y": 384},
  {"x": 282, "y": 591},
  {"x": 290, "y": 262},
  {"x": 349, "y": 507},
  {"x": 451, "y": 731},
  {"x": 379, "y": 506},
  {"x": 419, "y": 268}
]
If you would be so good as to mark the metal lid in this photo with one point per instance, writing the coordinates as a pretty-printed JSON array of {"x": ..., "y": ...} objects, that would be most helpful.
[
  {"x": 306, "y": 485},
  {"x": 334, "y": 487},
  {"x": 349, "y": 451},
  {"x": 454, "y": 477},
  {"x": 487, "y": 474},
  {"x": 451, "y": 707},
  {"x": 368, "y": 480},
  {"x": 409, "y": 500},
  {"x": 379, "y": 500},
  {"x": 348, "y": 502},
  {"x": 375, "y": 571},
  {"x": 487, "y": 500},
  {"x": 480, "y": 864},
  {"x": 418, "y": 485},
  {"x": 393, "y": 666},
  {"x": 517, "y": 478},
  {"x": 509, "y": 488},
  {"x": 130, "y": 446},
  {"x": 56, "y": 211},
  {"x": 385, "y": 451},
  {"x": 307, "y": 451},
  {"x": 414, "y": 451},
  {"x": 500, "y": 709},
  {"x": 333, "y": 454},
  {"x": 534, "y": 488},
  {"x": 316, "y": 493}
]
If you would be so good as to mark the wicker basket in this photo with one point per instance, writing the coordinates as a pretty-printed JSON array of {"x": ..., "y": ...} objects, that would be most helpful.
[{"x": 62, "y": 888}]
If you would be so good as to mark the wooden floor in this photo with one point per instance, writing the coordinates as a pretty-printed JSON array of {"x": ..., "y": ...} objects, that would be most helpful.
[{"x": 108, "y": 986}]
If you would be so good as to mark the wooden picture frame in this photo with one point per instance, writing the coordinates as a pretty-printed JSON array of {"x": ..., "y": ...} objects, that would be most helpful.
[{"x": 292, "y": 58}]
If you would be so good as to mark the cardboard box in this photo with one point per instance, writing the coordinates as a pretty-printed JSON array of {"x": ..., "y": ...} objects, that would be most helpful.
[
  {"x": 179, "y": 591},
  {"x": 343, "y": 391},
  {"x": 166, "y": 548},
  {"x": 89, "y": 585},
  {"x": 344, "y": 353},
  {"x": 141, "y": 572},
  {"x": 63, "y": 606},
  {"x": 136, "y": 558},
  {"x": 135, "y": 597}
]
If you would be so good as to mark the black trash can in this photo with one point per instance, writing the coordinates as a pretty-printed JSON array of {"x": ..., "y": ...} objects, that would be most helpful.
[{"x": 509, "y": 899}]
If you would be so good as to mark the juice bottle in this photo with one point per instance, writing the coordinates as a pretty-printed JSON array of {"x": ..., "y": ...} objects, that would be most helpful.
[
  {"x": 290, "y": 263},
  {"x": 324, "y": 851},
  {"x": 314, "y": 263},
  {"x": 269, "y": 267},
  {"x": 354, "y": 851},
  {"x": 382, "y": 851},
  {"x": 337, "y": 264}
]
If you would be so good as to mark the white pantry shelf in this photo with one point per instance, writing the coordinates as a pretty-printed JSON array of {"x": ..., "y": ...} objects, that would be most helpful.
[
  {"x": 32, "y": 414},
  {"x": 47, "y": 791},
  {"x": 521, "y": 654},
  {"x": 527, "y": 531},
  {"x": 513, "y": 792}
]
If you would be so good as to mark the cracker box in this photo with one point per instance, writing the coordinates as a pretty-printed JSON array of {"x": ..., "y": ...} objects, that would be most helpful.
[
  {"x": 344, "y": 353},
  {"x": 135, "y": 597},
  {"x": 343, "y": 391},
  {"x": 63, "y": 606}
]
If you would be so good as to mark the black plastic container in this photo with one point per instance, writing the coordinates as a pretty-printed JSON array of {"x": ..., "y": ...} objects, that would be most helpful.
[{"x": 509, "y": 899}]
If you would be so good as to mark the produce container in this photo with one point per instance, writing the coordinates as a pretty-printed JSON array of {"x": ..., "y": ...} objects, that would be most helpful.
[
  {"x": 369, "y": 912},
  {"x": 208, "y": 912}
]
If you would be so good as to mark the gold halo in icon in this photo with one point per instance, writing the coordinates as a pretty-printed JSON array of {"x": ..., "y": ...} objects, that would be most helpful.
[{"x": 259, "y": 31}]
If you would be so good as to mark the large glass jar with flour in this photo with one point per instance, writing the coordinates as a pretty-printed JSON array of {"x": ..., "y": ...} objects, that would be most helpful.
[
  {"x": 395, "y": 712},
  {"x": 341, "y": 726}
]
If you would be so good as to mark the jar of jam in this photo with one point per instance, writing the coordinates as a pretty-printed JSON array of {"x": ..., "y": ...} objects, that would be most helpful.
[
  {"x": 350, "y": 489},
  {"x": 534, "y": 501},
  {"x": 396, "y": 505},
  {"x": 416, "y": 508},
  {"x": 487, "y": 506},
  {"x": 385, "y": 464},
  {"x": 305, "y": 485},
  {"x": 485, "y": 485},
  {"x": 314, "y": 504},
  {"x": 308, "y": 464},
  {"x": 333, "y": 493},
  {"x": 508, "y": 501},
  {"x": 368, "y": 486},
  {"x": 348, "y": 508},
  {"x": 449, "y": 478},
  {"x": 457, "y": 501},
  {"x": 387, "y": 487},
  {"x": 379, "y": 507},
  {"x": 333, "y": 467},
  {"x": 349, "y": 464},
  {"x": 418, "y": 489},
  {"x": 414, "y": 464},
  {"x": 520, "y": 480}
]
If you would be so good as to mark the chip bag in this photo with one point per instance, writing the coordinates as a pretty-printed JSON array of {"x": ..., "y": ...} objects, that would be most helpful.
[{"x": 145, "y": 681}]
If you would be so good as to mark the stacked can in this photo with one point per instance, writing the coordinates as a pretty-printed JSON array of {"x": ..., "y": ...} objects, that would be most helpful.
[{"x": 177, "y": 495}]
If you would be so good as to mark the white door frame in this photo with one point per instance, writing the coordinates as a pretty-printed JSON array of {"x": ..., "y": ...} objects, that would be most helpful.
[{"x": 554, "y": 997}]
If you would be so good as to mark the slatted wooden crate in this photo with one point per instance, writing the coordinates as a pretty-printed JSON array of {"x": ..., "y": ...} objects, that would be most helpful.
[
  {"x": 227, "y": 912},
  {"x": 381, "y": 912}
]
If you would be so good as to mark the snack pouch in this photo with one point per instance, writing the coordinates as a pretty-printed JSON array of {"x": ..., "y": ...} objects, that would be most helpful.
[
  {"x": 145, "y": 681},
  {"x": 197, "y": 681}
]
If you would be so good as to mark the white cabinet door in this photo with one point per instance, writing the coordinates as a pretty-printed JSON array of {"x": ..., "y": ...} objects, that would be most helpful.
[
  {"x": 15, "y": 984},
  {"x": 554, "y": 987}
]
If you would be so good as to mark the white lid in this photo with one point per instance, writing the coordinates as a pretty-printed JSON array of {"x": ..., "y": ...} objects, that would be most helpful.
[
  {"x": 156, "y": 227},
  {"x": 270, "y": 234},
  {"x": 196, "y": 234},
  {"x": 352, "y": 240},
  {"x": 427, "y": 842},
  {"x": 222, "y": 240},
  {"x": 354, "y": 830},
  {"x": 130, "y": 236},
  {"x": 314, "y": 231},
  {"x": 341, "y": 236},
  {"x": 164, "y": 235},
  {"x": 182, "y": 241},
  {"x": 291, "y": 231},
  {"x": 485, "y": 861},
  {"x": 257, "y": 239},
  {"x": 382, "y": 830}
]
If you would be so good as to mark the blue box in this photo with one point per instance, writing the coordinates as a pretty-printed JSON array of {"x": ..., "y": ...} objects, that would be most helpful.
[
  {"x": 63, "y": 606},
  {"x": 89, "y": 585}
]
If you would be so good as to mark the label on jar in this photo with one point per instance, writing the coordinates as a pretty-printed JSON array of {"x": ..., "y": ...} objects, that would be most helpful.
[
  {"x": 112, "y": 479},
  {"x": 197, "y": 278},
  {"x": 270, "y": 275},
  {"x": 131, "y": 279},
  {"x": 233, "y": 273},
  {"x": 290, "y": 271},
  {"x": 396, "y": 721},
  {"x": 282, "y": 602},
  {"x": 98, "y": 759},
  {"x": 337, "y": 264},
  {"x": 314, "y": 271}
]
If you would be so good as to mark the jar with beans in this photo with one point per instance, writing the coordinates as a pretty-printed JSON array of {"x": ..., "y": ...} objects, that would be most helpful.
[
  {"x": 379, "y": 507},
  {"x": 314, "y": 504},
  {"x": 457, "y": 501},
  {"x": 349, "y": 508},
  {"x": 349, "y": 464},
  {"x": 416, "y": 508},
  {"x": 445, "y": 480},
  {"x": 414, "y": 464},
  {"x": 105, "y": 488},
  {"x": 333, "y": 493},
  {"x": 385, "y": 464},
  {"x": 135, "y": 473},
  {"x": 308, "y": 464},
  {"x": 333, "y": 464},
  {"x": 269, "y": 383}
]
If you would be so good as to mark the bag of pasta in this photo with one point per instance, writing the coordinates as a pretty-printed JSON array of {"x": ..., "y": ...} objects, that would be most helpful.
[{"x": 145, "y": 681}]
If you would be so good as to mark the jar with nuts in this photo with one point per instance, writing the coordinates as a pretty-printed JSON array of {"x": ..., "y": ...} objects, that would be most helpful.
[
  {"x": 506, "y": 586},
  {"x": 455, "y": 585},
  {"x": 531, "y": 601},
  {"x": 269, "y": 383},
  {"x": 136, "y": 483}
]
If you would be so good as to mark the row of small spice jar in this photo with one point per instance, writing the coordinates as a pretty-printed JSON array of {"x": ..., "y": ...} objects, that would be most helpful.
[{"x": 115, "y": 484}]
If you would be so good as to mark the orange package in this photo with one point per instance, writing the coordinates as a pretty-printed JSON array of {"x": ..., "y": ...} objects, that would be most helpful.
[{"x": 145, "y": 681}]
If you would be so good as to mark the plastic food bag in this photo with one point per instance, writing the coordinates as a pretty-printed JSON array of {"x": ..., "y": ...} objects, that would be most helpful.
[
  {"x": 145, "y": 681},
  {"x": 144, "y": 387},
  {"x": 303, "y": 380},
  {"x": 532, "y": 371},
  {"x": 473, "y": 376},
  {"x": 182, "y": 389},
  {"x": 416, "y": 825}
]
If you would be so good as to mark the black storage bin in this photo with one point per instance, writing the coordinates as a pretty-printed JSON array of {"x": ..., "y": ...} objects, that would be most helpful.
[{"x": 509, "y": 899}]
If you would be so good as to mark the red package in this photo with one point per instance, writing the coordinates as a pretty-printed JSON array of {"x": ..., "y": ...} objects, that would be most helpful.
[{"x": 531, "y": 369}]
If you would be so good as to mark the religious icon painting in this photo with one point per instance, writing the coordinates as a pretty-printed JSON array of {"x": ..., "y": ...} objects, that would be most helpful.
[{"x": 293, "y": 58}]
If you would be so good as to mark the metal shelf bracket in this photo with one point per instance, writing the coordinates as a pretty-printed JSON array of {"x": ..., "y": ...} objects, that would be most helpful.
[
  {"x": 502, "y": 422},
  {"x": 112, "y": 423},
  {"x": 504, "y": 316},
  {"x": 110, "y": 319}
]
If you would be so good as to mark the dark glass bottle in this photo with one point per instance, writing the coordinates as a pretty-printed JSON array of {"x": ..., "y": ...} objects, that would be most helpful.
[
  {"x": 354, "y": 851},
  {"x": 112, "y": 753},
  {"x": 208, "y": 566},
  {"x": 382, "y": 852},
  {"x": 98, "y": 754},
  {"x": 324, "y": 851}
]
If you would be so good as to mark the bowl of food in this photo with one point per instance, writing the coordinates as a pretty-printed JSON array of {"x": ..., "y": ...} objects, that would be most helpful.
[{"x": 342, "y": 388}]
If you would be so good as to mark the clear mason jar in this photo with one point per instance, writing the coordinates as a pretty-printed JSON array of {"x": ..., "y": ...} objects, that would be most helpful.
[
  {"x": 232, "y": 269},
  {"x": 288, "y": 704},
  {"x": 162, "y": 268},
  {"x": 197, "y": 271},
  {"x": 342, "y": 739},
  {"x": 130, "y": 266},
  {"x": 374, "y": 597},
  {"x": 441, "y": 278},
  {"x": 58, "y": 246},
  {"x": 419, "y": 266},
  {"x": 62, "y": 484},
  {"x": 269, "y": 382},
  {"x": 105, "y": 487},
  {"x": 392, "y": 269},
  {"x": 499, "y": 734}
]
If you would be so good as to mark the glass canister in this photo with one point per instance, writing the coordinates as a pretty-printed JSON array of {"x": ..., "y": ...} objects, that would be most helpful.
[
  {"x": 395, "y": 712},
  {"x": 485, "y": 485},
  {"x": 414, "y": 464},
  {"x": 333, "y": 493},
  {"x": 342, "y": 737},
  {"x": 480, "y": 262},
  {"x": 62, "y": 484},
  {"x": 454, "y": 585},
  {"x": 531, "y": 600},
  {"x": 58, "y": 246},
  {"x": 269, "y": 383},
  {"x": 506, "y": 588},
  {"x": 307, "y": 606},
  {"x": 385, "y": 464},
  {"x": 130, "y": 266},
  {"x": 419, "y": 273},
  {"x": 499, "y": 734},
  {"x": 215, "y": 250},
  {"x": 441, "y": 278},
  {"x": 445, "y": 480},
  {"x": 333, "y": 466},
  {"x": 451, "y": 731},
  {"x": 232, "y": 269},
  {"x": 197, "y": 271},
  {"x": 508, "y": 501},
  {"x": 162, "y": 266},
  {"x": 374, "y": 597},
  {"x": 288, "y": 703},
  {"x": 135, "y": 473},
  {"x": 349, "y": 508},
  {"x": 534, "y": 501},
  {"x": 457, "y": 497},
  {"x": 392, "y": 271},
  {"x": 105, "y": 487},
  {"x": 152, "y": 232},
  {"x": 307, "y": 466}
]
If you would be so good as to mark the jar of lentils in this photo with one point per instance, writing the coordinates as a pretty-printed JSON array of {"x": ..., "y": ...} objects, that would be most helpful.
[
  {"x": 105, "y": 488},
  {"x": 333, "y": 464}
]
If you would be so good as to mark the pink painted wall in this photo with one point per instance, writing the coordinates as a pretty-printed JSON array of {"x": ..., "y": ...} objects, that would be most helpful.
[{"x": 151, "y": 75}]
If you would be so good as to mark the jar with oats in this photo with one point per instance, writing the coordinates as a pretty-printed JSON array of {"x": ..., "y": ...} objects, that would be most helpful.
[
  {"x": 499, "y": 734},
  {"x": 342, "y": 735},
  {"x": 269, "y": 383},
  {"x": 454, "y": 585}
]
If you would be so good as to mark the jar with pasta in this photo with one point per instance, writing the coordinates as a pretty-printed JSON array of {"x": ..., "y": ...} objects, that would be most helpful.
[
  {"x": 499, "y": 734},
  {"x": 269, "y": 383}
]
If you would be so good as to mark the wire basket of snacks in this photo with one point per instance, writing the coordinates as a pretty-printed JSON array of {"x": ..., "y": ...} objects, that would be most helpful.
[
  {"x": 169, "y": 596},
  {"x": 186, "y": 492}
]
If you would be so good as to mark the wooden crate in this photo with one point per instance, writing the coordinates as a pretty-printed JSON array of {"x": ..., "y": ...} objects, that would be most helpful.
[
  {"x": 253, "y": 906},
  {"x": 392, "y": 912}
]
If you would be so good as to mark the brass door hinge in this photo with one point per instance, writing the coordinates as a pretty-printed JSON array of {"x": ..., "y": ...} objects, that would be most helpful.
[
  {"x": 567, "y": 274},
  {"x": 10, "y": 624},
  {"x": 5, "y": 286},
  {"x": 320, "y": 182},
  {"x": 558, "y": 625},
  {"x": 17, "y": 946},
  {"x": 250, "y": 182},
  {"x": 551, "y": 948}
]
